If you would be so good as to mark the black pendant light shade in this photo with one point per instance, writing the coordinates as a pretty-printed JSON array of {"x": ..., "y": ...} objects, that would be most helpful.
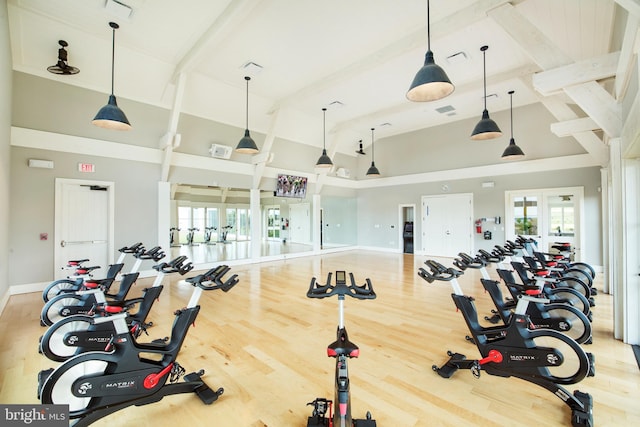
[
  {"x": 431, "y": 82},
  {"x": 111, "y": 116},
  {"x": 360, "y": 150},
  {"x": 324, "y": 161},
  {"x": 486, "y": 128},
  {"x": 512, "y": 151},
  {"x": 247, "y": 145},
  {"x": 373, "y": 170}
]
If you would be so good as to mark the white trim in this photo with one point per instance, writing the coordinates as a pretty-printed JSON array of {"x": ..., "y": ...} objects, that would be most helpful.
[
  {"x": 401, "y": 226},
  {"x": 29, "y": 138}
]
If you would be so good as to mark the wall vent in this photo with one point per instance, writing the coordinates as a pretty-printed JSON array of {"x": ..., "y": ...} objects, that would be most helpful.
[{"x": 220, "y": 151}]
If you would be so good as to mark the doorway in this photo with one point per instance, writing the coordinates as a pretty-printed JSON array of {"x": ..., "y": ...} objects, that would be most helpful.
[
  {"x": 406, "y": 228},
  {"x": 447, "y": 224},
  {"x": 548, "y": 216},
  {"x": 84, "y": 223}
]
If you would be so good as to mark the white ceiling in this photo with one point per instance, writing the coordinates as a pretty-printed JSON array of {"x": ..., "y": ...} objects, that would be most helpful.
[{"x": 362, "y": 53}]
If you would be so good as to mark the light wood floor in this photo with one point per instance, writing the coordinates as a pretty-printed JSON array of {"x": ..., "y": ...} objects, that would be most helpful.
[{"x": 265, "y": 343}]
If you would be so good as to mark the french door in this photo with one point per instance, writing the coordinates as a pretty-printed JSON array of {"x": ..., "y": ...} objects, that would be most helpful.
[{"x": 546, "y": 215}]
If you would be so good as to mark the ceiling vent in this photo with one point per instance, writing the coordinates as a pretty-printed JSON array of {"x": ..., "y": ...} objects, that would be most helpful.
[
  {"x": 220, "y": 151},
  {"x": 445, "y": 109}
]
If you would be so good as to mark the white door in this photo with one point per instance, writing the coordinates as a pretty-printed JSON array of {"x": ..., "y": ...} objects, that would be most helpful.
[
  {"x": 631, "y": 282},
  {"x": 83, "y": 224},
  {"x": 447, "y": 224},
  {"x": 548, "y": 216},
  {"x": 300, "y": 223}
]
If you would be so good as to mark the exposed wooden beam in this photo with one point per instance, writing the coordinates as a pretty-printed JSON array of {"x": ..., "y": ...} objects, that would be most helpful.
[
  {"x": 626, "y": 62},
  {"x": 542, "y": 50},
  {"x": 632, "y": 6},
  {"x": 230, "y": 19},
  {"x": 550, "y": 81},
  {"x": 570, "y": 127},
  {"x": 266, "y": 150},
  {"x": 599, "y": 105},
  {"x": 171, "y": 139}
]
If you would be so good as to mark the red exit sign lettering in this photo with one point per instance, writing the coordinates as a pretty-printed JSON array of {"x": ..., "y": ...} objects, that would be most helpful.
[{"x": 86, "y": 167}]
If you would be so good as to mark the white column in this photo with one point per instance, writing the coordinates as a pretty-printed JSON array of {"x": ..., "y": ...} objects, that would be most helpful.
[
  {"x": 256, "y": 224},
  {"x": 164, "y": 215},
  {"x": 315, "y": 221},
  {"x": 5, "y": 154}
]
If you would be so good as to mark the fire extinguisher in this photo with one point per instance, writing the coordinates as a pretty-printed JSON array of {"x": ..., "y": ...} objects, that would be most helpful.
[{"x": 479, "y": 226}]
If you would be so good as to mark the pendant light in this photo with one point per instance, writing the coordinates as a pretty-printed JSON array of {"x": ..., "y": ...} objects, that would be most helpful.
[
  {"x": 247, "y": 145},
  {"x": 373, "y": 170},
  {"x": 111, "y": 116},
  {"x": 486, "y": 128},
  {"x": 324, "y": 161},
  {"x": 360, "y": 150},
  {"x": 512, "y": 151},
  {"x": 431, "y": 82}
]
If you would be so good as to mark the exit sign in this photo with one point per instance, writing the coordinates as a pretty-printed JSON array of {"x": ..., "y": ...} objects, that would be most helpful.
[{"x": 86, "y": 167}]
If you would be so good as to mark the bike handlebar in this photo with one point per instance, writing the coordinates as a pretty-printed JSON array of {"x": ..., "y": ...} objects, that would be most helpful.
[
  {"x": 131, "y": 249},
  {"x": 212, "y": 279},
  {"x": 438, "y": 272},
  {"x": 364, "y": 291},
  {"x": 177, "y": 265}
]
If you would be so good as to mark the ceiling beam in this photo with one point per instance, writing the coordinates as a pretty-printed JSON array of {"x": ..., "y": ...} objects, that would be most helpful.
[
  {"x": 602, "y": 67},
  {"x": 229, "y": 20},
  {"x": 632, "y": 6},
  {"x": 599, "y": 105},
  {"x": 628, "y": 53},
  {"x": 569, "y": 127},
  {"x": 171, "y": 139},
  {"x": 262, "y": 159},
  {"x": 548, "y": 56},
  {"x": 542, "y": 50}
]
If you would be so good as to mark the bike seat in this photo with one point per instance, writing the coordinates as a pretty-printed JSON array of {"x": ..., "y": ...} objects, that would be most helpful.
[{"x": 342, "y": 346}]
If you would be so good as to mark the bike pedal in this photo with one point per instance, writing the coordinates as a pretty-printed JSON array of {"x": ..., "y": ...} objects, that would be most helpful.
[
  {"x": 317, "y": 422},
  {"x": 364, "y": 423},
  {"x": 592, "y": 365}
]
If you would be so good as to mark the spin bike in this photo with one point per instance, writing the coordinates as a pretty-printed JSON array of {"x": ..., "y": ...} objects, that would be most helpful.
[
  {"x": 81, "y": 333},
  {"x": 543, "y": 357},
  {"x": 128, "y": 373},
  {"x": 208, "y": 231},
  {"x": 341, "y": 349},
  {"x": 544, "y": 312},
  {"x": 83, "y": 273},
  {"x": 94, "y": 292}
]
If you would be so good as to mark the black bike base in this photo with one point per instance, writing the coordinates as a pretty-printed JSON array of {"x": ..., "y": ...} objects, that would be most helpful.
[
  {"x": 582, "y": 417},
  {"x": 324, "y": 422},
  {"x": 456, "y": 361}
]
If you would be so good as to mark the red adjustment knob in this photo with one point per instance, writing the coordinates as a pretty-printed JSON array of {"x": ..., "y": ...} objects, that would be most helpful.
[
  {"x": 153, "y": 380},
  {"x": 494, "y": 356}
]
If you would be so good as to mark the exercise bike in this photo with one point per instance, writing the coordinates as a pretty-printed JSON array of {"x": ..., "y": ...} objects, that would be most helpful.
[
  {"x": 547, "y": 311},
  {"x": 173, "y": 232},
  {"x": 208, "y": 231},
  {"x": 341, "y": 350},
  {"x": 190, "y": 236},
  {"x": 543, "y": 357},
  {"x": 128, "y": 373},
  {"x": 81, "y": 333},
  {"x": 223, "y": 235},
  {"x": 94, "y": 292},
  {"x": 83, "y": 273}
]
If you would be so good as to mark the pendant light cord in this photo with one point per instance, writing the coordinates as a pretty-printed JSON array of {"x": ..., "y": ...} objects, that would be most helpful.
[
  {"x": 484, "y": 67},
  {"x": 113, "y": 55},
  {"x": 428, "y": 28},
  {"x": 324, "y": 128},
  {"x": 511, "y": 108},
  {"x": 247, "y": 78},
  {"x": 372, "y": 158}
]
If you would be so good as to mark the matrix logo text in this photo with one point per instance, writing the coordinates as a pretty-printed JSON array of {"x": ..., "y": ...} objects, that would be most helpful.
[{"x": 34, "y": 415}]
